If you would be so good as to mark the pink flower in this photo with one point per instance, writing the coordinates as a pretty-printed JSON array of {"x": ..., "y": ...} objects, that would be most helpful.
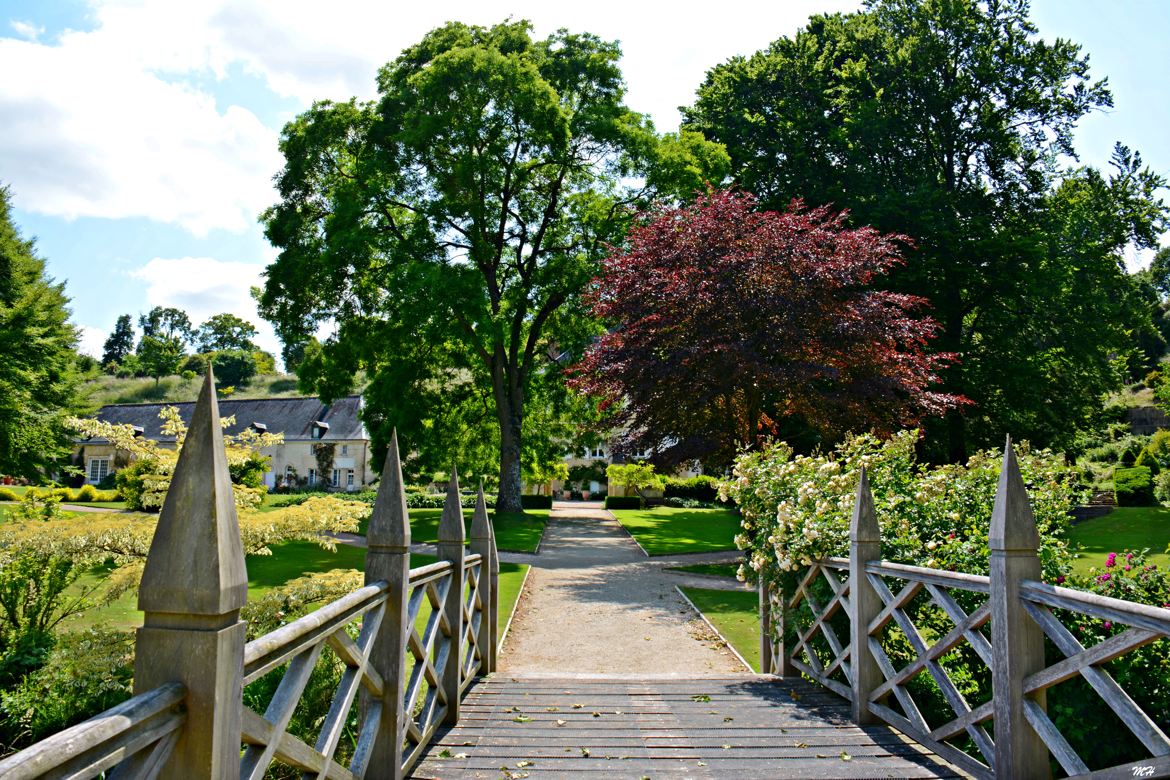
[
  {"x": 1060, "y": 579},
  {"x": 1104, "y": 578},
  {"x": 1111, "y": 561},
  {"x": 1128, "y": 568},
  {"x": 1129, "y": 556},
  {"x": 1107, "y": 625}
]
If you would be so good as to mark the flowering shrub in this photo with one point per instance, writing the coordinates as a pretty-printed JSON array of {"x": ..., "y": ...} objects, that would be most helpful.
[{"x": 797, "y": 508}]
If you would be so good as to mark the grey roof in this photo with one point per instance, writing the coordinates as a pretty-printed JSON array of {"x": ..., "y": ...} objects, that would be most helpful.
[{"x": 294, "y": 417}]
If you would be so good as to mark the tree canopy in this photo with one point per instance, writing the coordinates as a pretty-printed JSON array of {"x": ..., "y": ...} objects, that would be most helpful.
[
  {"x": 38, "y": 344},
  {"x": 448, "y": 227},
  {"x": 225, "y": 331},
  {"x": 120, "y": 343},
  {"x": 727, "y": 323},
  {"x": 945, "y": 120}
]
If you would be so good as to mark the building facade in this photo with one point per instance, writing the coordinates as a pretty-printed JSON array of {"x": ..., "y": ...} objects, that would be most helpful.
[{"x": 325, "y": 445}]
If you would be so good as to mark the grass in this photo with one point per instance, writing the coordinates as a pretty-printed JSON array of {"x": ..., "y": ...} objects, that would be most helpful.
[
  {"x": 1131, "y": 527},
  {"x": 735, "y": 613},
  {"x": 667, "y": 530},
  {"x": 288, "y": 561},
  {"x": 103, "y": 390},
  {"x": 710, "y": 569},
  {"x": 514, "y": 532}
]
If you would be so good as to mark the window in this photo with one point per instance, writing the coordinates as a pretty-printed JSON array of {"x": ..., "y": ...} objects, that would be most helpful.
[
  {"x": 99, "y": 469},
  {"x": 312, "y": 476},
  {"x": 344, "y": 449},
  {"x": 599, "y": 452},
  {"x": 336, "y": 481},
  {"x": 349, "y": 479}
]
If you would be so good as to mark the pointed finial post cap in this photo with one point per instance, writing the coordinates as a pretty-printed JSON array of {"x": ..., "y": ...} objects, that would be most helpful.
[
  {"x": 389, "y": 528},
  {"x": 451, "y": 524},
  {"x": 1013, "y": 525},
  {"x": 196, "y": 561},
  {"x": 863, "y": 526},
  {"x": 480, "y": 524}
]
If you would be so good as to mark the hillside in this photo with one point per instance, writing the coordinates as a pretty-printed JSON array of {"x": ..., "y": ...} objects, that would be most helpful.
[{"x": 104, "y": 390}]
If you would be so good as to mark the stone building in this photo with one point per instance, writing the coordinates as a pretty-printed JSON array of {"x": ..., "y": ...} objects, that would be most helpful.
[{"x": 307, "y": 425}]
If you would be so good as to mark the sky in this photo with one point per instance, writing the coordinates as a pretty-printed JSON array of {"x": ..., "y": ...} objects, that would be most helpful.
[{"x": 139, "y": 137}]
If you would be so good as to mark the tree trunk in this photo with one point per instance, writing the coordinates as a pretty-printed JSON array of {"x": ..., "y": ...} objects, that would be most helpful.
[{"x": 509, "y": 395}]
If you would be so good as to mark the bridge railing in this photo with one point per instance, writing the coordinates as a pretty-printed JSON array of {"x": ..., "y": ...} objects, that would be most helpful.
[
  {"x": 410, "y": 642},
  {"x": 846, "y": 613}
]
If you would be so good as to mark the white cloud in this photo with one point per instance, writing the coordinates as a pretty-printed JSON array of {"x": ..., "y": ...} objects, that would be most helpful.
[
  {"x": 26, "y": 30},
  {"x": 91, "y": 341},
  {"x": 203, "y": 286}
]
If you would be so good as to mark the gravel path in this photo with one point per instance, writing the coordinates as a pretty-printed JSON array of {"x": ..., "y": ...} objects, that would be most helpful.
[{"x": 594, "y": 604}]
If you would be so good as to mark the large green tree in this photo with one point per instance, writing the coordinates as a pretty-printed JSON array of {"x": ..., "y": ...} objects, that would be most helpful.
[
  {"x": 120, "y": 343},
  {"x": 449, "y": 227},
  {"x": 225, "y": 331},
  {"x": 38, "y": 345},
  {"x": 945, "y": 120}
]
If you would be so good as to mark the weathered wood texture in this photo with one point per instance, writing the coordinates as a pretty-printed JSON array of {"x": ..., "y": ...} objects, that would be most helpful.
[
  {"x": 999, "y": 621},
  {"x": 732, "y": 727}
]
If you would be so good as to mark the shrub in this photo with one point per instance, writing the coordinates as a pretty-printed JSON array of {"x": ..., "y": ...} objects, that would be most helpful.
[
  {"x": 85, "y": 493},
  {"x": 7, "y": 494},
  {"x": 700, "y": 488},
  {"x": 687, "y": 503},
  {"x": 86, "y": 673},
  {"x": 623, "y": 502},
  {"x": 1133, "y": 486},
  {"x": 635, "y": 476},
  {"x": 536, "y": 502}
]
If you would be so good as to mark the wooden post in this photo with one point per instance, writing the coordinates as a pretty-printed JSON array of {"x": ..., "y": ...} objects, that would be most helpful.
[
  {"x": 767, "y": 642},
  {"x": 494, "y": 613},
  {"x": 388, "y": 558},
  {"x": 451, "y": 535},
  {"x": 193, "y": 587},
  {"x": 1017, "y": 642},
  {"x": 481, "y": 542},
  {"x": 865, "y": 545}
]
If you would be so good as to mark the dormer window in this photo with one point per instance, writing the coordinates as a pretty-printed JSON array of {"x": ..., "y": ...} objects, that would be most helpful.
[
  {"x": 319, "y": 429},
  {"x": 259, "y": 427},
  {"x": 138, "y": 431}
]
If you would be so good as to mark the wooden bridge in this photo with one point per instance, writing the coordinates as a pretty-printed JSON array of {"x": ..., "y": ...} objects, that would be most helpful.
[{"x": 420, "y": 696}]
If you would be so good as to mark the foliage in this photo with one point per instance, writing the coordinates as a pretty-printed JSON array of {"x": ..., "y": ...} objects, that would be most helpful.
[
  {"x": 120, "y": 343},
  {"x": 945, "y": 121},
  {"x": 36, "y": 505},
  {"x": 38, "y": 369},
  {"x": 167, "y": 324},
  {"x": 624, "y": 502},
  {"x": 700, "y": 488},
  {"x": 235, "y": 367},
  {"x": 449, "y": 227},
  {"x": 225, "y": 332},
  {"x": 536, "y": 502},
  {"x": 145, "y": 481},
  {"x": 638, "y": 477},
  {"x": 1133, "y": 486},
  {"x": 797, "y": 508},
  {"x": 159, "y": 356},
  {"x": 87, "y": 672},
  {"x": 770, "y": 318}
]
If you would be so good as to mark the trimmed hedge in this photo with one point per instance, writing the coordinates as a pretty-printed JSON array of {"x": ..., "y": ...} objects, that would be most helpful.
[
  {"x": 1133, "y": 486},
  {"x": 700, "y": 488},
  {"x": 623, "y": 502},
  {"x": 536, "y": 502},
  {"x": 6, "y": 494}
]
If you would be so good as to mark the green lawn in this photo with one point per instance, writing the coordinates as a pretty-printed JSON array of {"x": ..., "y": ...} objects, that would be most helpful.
[
  {"x": 736, "y": 614},
  {"x": 288, "y": 561},
  {"x": 710, "y": 569},
  {"x": 1131, "y": 527},
  {"x": 514, "y": 532},
  {"x": 666, "y": 530}
]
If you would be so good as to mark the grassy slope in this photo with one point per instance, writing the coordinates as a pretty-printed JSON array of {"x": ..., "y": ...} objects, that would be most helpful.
[
  {"x": 669, "y": 531},
  {"x": 289, "y": 561},
  {"x": 734, "y": 613},
  {"x": 1132, "y": 528},
  {"x": 174, "y": 389}
]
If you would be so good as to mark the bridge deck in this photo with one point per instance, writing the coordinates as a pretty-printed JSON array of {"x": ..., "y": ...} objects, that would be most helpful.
[{"x": 723, "y": 727}]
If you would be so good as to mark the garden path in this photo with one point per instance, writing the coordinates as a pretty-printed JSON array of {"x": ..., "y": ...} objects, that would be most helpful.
[{"x": 594, "y": 604}]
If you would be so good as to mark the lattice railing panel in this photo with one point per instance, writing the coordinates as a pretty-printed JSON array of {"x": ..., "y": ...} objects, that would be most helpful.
[
  {"x": 1081, "y": 674},
  {"x": 474, "y": 606},
  {"x": 819, "y": 631},
  {"x": 931, "y": 645},
  {"x": 336, "y": 638},
  {"x": 424, "y": 700}
]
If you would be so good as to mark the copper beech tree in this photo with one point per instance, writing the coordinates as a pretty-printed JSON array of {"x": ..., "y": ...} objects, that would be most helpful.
[{"x": 726, "y": 323}]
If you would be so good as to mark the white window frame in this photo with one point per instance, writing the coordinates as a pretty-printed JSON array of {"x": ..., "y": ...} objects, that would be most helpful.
[
  {"x": 349, "y": 478},
  {"x": 344, "y": 449},
  {"x": 336, "y": 481},
  {"x": 103, "y": 470},
  {"x": 312, "y": 477},
  {"x": 599, "y": 452}
]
